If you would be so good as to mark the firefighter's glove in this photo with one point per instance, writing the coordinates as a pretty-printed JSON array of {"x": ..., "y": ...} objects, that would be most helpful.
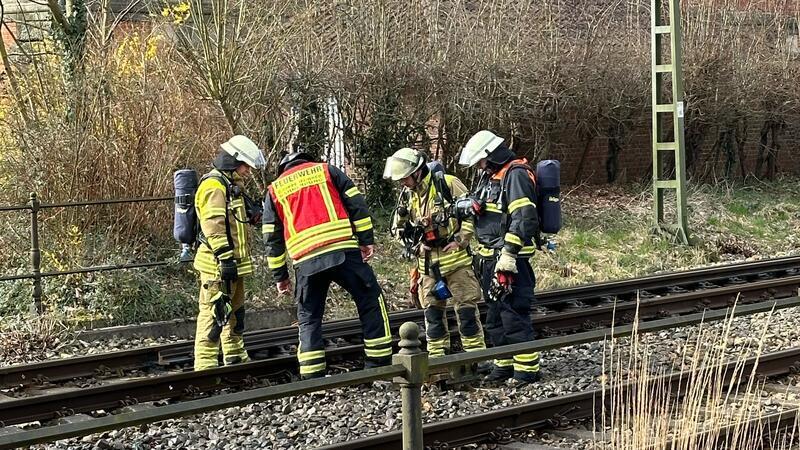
[
  {"x": 507, "y": 262},
  {"x": 222, "y": 313},
  {"x": 501, "y": 286},
  {"x": 228, "y": 270}
]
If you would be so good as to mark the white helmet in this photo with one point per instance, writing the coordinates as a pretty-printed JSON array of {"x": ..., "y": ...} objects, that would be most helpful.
[
  {"x": 245, "y": 150},
  {"x": 478, "y": 147},
  {"x": 403, "y": 163}
]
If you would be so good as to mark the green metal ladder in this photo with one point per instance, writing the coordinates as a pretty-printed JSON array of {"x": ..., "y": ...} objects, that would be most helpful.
[{"x": 679, "y": 228}]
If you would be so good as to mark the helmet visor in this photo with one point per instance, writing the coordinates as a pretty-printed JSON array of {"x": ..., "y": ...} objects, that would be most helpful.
[
  {"x": 397, "y": 168},
  {"x": 260, "y": 162}
]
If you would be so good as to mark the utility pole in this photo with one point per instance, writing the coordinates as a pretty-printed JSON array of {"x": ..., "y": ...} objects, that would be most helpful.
[{"x": 669, "y": 156}]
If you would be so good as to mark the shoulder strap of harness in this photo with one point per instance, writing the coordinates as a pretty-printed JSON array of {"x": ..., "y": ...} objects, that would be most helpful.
[
  {"x": 440, "y": 184},
  {"x": 506, "y": 217},
  {"x": 227, "y": 183}
]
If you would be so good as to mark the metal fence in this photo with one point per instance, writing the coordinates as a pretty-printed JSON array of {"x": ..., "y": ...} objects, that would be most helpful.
[{"x": 36, "y": 274}]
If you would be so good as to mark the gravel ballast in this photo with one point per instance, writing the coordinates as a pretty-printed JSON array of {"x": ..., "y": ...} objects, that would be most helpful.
[{"x": 337, "y": 415}]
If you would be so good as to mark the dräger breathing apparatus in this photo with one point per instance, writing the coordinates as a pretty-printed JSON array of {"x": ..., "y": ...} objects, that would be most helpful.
[
  {"x": 548, "y": 207},
  {"x": 186, "y": 228},
  {"x": 428, "y": 233}
]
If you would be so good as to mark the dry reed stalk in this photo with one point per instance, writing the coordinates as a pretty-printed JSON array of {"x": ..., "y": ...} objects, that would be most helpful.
[{"x": 649, "y": 416}]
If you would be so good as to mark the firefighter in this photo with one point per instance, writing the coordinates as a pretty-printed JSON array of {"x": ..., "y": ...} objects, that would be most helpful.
[
  {"x": 315, "y": 216},
  {"x": 223, "y": 257},
  {"x": 506, "y": 231},
  {"x": 443, "y": 260}
]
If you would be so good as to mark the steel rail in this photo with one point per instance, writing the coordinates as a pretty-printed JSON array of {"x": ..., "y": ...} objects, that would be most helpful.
[
  {"x": 187, "y": 384},
  {"x": 597, "y": 292},
  {"x": 90, "y": 269},
  {"x": 553, "y": 323},
  {"x": 478, "y": 427},
  {"x": 111, "y": 422}
]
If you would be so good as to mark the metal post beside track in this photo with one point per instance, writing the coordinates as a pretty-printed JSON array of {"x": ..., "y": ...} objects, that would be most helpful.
[
  {"x": 415, "y": 362},
  {"x": 36, "y": 256}
]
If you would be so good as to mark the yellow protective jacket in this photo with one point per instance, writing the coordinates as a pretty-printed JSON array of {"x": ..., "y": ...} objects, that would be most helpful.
[
  {"x": 221, "y": 241},
  {"x": 421, "y": 210}
]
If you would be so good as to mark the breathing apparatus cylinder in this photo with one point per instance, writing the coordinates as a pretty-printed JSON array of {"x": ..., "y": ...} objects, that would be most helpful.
[
  {"x": 548, "y": 181},
  {"x": 184, "y": 228}
]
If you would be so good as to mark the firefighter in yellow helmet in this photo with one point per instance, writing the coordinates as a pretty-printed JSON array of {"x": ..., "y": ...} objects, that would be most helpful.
[
  {"x": 223, "y": 257},
  {"x": 444, "y": 264}
]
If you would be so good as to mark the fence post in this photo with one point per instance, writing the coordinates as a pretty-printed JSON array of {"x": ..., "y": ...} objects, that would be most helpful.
[
  {"x": 36, "y": 256},
  {"x": 416, "y": 363}
]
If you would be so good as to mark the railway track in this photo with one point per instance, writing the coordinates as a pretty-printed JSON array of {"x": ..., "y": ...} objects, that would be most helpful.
[
  {"x": 500, "y": 426},
  {"x": 56, "y": 390},
  {"x": 108, "y": 419},
  {"x": 563, "y": 309}
]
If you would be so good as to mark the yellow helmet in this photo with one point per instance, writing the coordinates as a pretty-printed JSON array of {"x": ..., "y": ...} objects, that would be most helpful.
[{"x": 403, "y": 163}]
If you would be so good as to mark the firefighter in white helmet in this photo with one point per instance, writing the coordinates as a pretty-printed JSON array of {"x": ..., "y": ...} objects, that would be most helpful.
[
  {"x": 443, "y": 260},
  {"x": 507, "y": 231},
  {"x": 223, "y": 257}
]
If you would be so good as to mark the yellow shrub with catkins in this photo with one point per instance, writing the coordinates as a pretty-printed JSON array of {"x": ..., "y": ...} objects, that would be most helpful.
[
  {"x": 135, "y": 52},
  {"x": 178, "y": 13}
]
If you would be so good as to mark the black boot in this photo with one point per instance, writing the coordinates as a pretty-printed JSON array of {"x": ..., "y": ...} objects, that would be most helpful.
[
  {"x": 522, "y": 378},
  {"x": 310, "y": 376},
  {"x": 499, "y": 374},
  {"x": 484, "y": 367}
]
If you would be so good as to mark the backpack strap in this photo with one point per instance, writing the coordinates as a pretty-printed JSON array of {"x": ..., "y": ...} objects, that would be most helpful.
[
  {"x": 505, "y": 217},
  {"x": 215, "y": 174},
  {"x": 440, "y": 184}
]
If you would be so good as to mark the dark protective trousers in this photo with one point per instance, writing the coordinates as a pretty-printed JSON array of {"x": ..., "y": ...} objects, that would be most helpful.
[
  {"x": 357, "y": 278},
  {"x": 509, "y": 321}
]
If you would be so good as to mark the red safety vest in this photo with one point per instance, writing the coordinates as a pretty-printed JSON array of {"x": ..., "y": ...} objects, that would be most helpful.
[{"x": 311, "y": 210}]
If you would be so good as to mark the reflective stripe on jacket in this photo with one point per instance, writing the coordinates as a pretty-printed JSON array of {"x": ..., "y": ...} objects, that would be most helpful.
[
  {"x": 212, "y": 208},
  {"x": 521, "y": 225},
  {"x": 421, "y": 209}
]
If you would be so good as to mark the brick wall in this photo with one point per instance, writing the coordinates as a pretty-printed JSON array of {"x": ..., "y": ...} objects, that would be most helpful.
[{"x": 635, "y": 157}]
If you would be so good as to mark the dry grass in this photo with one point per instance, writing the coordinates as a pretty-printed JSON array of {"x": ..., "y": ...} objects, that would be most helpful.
[
  {"x": 21, "y": 341},
  {"x": 649, "y": 416},
  {"x": 607, "y": 232}
]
